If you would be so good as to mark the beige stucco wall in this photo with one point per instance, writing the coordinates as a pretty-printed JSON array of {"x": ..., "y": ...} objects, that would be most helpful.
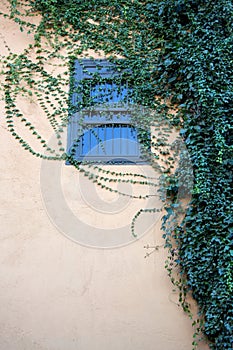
[{"x": 57, "y": 294}]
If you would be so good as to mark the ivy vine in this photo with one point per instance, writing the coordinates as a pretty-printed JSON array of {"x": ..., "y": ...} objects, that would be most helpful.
[{"x": 179, "y": 54}]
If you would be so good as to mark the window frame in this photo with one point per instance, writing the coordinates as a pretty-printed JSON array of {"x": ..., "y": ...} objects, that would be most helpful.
[{"x": 76, "y": 128}]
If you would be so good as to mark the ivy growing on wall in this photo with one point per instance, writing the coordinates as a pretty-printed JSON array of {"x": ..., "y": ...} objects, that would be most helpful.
[{"x": 179, "y": 53}]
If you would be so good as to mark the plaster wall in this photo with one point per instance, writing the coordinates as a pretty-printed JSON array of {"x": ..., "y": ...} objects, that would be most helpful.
[{"x": 58, "y": 294}]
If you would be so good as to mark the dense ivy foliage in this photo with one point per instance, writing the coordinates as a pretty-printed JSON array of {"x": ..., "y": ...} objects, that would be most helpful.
[{"x": 180, "y": 57}]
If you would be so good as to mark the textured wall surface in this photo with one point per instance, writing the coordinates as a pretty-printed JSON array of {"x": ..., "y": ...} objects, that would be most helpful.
[{"x": 57, "y": 294}]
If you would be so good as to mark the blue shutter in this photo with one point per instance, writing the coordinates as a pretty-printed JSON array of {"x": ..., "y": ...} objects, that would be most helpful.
[{"x": 105, "y": 133}]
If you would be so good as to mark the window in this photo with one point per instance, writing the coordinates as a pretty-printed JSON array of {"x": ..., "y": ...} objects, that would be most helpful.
[{"x": 100, "y": 128}]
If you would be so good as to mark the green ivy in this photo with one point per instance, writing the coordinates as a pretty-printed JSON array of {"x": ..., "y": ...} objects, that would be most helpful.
[{"x": 179, "y": 54}]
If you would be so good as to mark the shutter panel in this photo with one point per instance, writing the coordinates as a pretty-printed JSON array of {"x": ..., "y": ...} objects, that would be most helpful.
[{"x": 102, "y": 130}]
